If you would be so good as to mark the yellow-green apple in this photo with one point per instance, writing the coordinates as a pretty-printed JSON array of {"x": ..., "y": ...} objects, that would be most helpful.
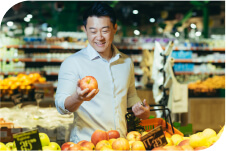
[
  {"x": 121, "y": 144},
  {"x": 102, "y": 143},
  {"x": 137, "y": 145},
  {"x": 48, "y": 148},
  {"x": 55, "y": 145},
  {"x": 112, "y": 140},
  {"x": 44, "y": 138},
  {"x": 144, "y": 133},
  {"x": 2, "y": 146},
  {"x": 158, "y": 148},
  {"x": 80, "y": 142},
  {"x": 184, "y": 142},
  {"x": 200, "y": 148},
  {"x": 133, "y": 136},
  {"x": 75, "y": 147},
  {"x": 88, "y": 82},
  {"x": 176, "y": 138},
  {"x": 113, "y": 134},
  {"x": 105, "y": 148},
  {"x": 67, "y": 145},
  {"x": 88, "y": 145},
  {"x": 10, "y": 145},
  {"x": 99, "y": 135},
  {"x": 187, "y": 148}
]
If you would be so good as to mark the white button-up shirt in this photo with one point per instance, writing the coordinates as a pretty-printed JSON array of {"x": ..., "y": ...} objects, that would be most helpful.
[{"x": 116, "y": 83}]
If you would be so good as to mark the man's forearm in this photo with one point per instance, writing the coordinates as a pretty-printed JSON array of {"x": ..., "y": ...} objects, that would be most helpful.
[{"x": 72, "y": 103}]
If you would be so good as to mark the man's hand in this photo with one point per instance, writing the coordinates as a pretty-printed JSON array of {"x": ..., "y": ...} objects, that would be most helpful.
[
  {"x": 83, "y": 95},
  {"x": 141, "y": 111}
]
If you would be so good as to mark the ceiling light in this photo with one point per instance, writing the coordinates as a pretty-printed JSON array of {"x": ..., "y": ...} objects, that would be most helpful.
[
  {"x": 135, "y": 12},
  {"x": 49, "y": 35},
  {"x": 9, "y": 23},
  {"x": 26, "y": 19},
  {"x": 198, "y": 33},
  {"x": 193, "y": 26},
  {"x": 49, "y": 29},
  {"x": 177, "y": 34},
  {"x": 136, "y": 32},
  {"x": 29, "y": 16},
  {"x": 152, "y": 20}
]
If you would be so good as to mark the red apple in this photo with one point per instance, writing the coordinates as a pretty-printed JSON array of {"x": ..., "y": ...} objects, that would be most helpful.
[
  {"x": 121, "y": 144},
  {"x": 200, "y": 148},
  {"x": 113, "y": 134},
  {"x": 103, "y": 143},
  {"x": 133, "y": 136},
  {"x": 88, "y": 82},
  {"x": 80, "y": 142},
  {"x": 184, "y": 142},
  {"x": 99, "y": 135},
  {"x": 138, "y": 145},
  {"x": 75, "y": 147},
  {"x": 88, "y": 145},
  {"x": 67, "y": 145}
]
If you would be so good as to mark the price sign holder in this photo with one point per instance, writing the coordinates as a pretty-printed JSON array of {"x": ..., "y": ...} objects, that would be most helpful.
[
  {"x": 154, "y": 138},
  {"x": 28, "y": 140},
  {"x": 16, "y": 98}
]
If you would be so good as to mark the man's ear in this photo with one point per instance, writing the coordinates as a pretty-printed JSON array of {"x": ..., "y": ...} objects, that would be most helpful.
[
  {"x": 84, "y": 28},
  {"x": 115, "y": 28}
]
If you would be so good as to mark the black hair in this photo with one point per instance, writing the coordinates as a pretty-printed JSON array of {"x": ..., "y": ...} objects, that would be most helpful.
[{"x": 99, "y": 9}]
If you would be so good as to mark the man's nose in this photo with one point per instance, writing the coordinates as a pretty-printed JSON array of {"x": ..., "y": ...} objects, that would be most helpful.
[{"x": 99, "y": 35}]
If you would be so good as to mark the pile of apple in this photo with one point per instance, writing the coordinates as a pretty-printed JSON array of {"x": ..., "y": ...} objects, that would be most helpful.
[
  {"x": 107, "y": 140},
  {"x": 197, "y": 141}
]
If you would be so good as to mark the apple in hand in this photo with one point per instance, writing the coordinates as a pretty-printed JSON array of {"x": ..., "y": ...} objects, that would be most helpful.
[
  {"x": 99, "y": 135},
  {"x": 87, "y": 144},
  {"x": 137, "y": 145},
  {"x": 66, "y": 146},
  {"x": 133, "y": 136},
  {"x": 88, "y": 82},
  {"x": 113, "y": 134},
  {"x": 54, "y": 145},
  {"x": 121, "y": 144},
  {"x": 44, "y": 138}
]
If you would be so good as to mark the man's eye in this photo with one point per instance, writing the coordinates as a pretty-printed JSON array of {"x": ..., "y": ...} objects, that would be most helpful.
[{"x": 105, "y": 31}]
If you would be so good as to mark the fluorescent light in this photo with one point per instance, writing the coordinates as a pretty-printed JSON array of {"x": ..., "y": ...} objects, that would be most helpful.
[
  {"x": 29, "y": 16},
  {"x": 49, "y": 35},
  {"x": 26, "y": 19},
  {"x": 135, "y": 11},
  {"x": 177, "y": 34},
  {"x": 49, "y": 29},
  {"x": 152, "y": 20},
  {"x": 9, "y": 23},
  {"x": 193, "y": 26},
  {"x": 198, "y": 33},
  {"x": 136, "y": 32}
]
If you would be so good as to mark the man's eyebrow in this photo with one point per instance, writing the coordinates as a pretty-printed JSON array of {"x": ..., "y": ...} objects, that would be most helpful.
[{"x": 102, "y": 27}]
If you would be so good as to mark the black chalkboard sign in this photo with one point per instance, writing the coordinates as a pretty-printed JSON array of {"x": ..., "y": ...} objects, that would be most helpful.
[
  {"x": 28, "y": 140},
  {"x": 154, "y": 138}
]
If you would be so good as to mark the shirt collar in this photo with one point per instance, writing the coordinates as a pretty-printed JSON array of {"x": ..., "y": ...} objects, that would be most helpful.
[{"x": 93, "y": 54}]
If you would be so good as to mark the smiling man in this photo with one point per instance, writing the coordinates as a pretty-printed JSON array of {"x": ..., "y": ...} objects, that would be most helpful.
[{"x": 103, "y": 108}]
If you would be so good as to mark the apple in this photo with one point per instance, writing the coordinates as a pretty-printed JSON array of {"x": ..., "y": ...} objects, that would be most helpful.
[
  {"x": 88, "y": 82},
  {"x": 130, "y": 143},
  {"x": 103, "y": 143},
  {"x": 173, "y": 148},
  {"x": 137, "y": 145},
  {"x": 169, "y": 141},
  {"x": 200, "y": 148},
  {"x": 80, "y": 142},
  {"x": 144, "y": 133},
  {"x": 48, "y": 148},
  {"x": 99, "y": 135},
  {"x": 184, "y": 142},
  {"x": 44, "y": 138},
  {"x": 55, "y": 145},
  {"x": 176, "y": 138},
  {"x": 133, "y": 136},
  {"x": 112, "y": 140},
  {"x": 113, "y": 134},
  {"x": 167, "y": 134},
  {"x": 105, "y": 148},
  {"x": 10, "y": 145},
  {"x": 66, "y": 146},
  {"x": 2, "y": 146},
  {"x": 187, "y": 148},
  {"x": 88, "y": 145},
  {"x": 121, "y": 144},
  {"x": 75, "y": 147},
  {"x": 158, "y": 148}
]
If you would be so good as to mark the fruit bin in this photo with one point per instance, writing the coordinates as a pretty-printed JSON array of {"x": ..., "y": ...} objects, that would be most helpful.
[{"x": 149, "y": 124}]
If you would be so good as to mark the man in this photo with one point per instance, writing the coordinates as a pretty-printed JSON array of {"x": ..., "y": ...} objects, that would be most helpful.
[{"x": 104, "y": 108}]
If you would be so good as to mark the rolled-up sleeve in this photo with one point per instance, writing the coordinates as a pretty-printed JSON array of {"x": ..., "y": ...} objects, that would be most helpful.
[{"x": 67, "y": 82}]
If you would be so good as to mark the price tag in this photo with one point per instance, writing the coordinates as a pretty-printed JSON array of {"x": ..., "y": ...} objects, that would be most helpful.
[
  {"x": 28, "y": 140},
  {"x": 154, "y": 138},
  {"x": 16, "y": 98}
]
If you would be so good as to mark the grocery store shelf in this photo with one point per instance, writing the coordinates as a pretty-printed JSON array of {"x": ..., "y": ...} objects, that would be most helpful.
[
  {"x": 199, "y": 49},
  {"x": 35, "y": 60},
  {"x": 191, "y": 73},
  {"x": 192, "y": 61},
  {"x": 15, "y": 73}
]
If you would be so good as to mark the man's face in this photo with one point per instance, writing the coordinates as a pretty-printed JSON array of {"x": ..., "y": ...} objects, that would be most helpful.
[{"x": 100, "y": 33}]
